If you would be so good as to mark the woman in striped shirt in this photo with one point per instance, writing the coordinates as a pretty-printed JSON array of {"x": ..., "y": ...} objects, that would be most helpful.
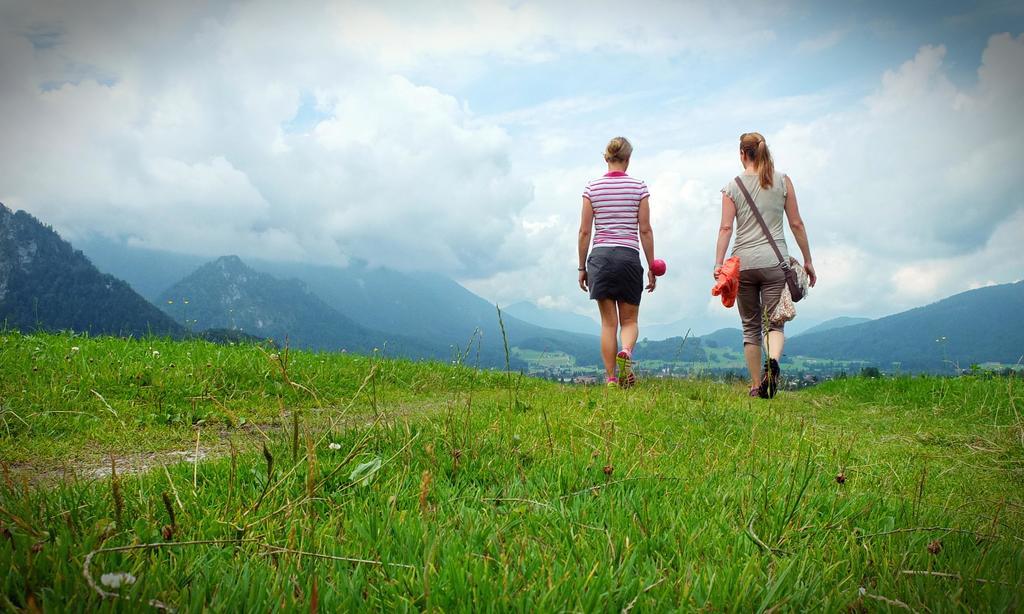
[{"x": 616, "y": 208}]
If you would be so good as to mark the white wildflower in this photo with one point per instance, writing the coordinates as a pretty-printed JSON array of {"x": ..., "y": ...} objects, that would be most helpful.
[
  {"x": 116, "y": 579},
  {"x": 74, "y": 349},
  {"x": 156, "y": 354},
  {"x": 274, "y": 357},
  {"x": 334, "y": 446}
]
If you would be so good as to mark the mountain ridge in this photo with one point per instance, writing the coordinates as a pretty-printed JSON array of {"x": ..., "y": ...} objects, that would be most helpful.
[
  {"x": 975, "y": 326},
  {"x": 228, "y": 294},
  {"x": 443, "y": 315},
  {"x": 46, "y": 283},
  {"x": 421, "y": 305},
  {"x": 434, "y": 308}
]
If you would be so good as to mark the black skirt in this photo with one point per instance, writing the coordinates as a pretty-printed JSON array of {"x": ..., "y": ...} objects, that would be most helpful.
[{"x": 615, "y": 273}]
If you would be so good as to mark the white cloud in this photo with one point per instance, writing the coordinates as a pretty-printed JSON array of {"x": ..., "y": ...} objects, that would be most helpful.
[
  {"x": 193, "y": 156},
  {"x": 311, "y": 135},
  {"x": 528, "y": 32},
  {"x": 918, "y": 281},
  {"x": 909, "y": 196},
  {"x": 170, "y": 124}
]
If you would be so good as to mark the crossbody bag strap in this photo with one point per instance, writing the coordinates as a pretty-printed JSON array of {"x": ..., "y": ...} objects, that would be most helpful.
[{"x": 760, "y": 220}]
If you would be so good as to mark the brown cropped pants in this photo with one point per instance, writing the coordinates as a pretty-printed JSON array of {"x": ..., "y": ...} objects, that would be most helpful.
[{"x": 759, "y": 292}]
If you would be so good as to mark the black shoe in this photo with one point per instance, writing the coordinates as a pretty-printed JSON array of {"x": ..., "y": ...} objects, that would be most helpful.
[{"x": 770, "y": 380}]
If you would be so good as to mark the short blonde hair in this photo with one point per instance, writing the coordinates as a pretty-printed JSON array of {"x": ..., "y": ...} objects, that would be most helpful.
[{"x": 619, "y": 149}]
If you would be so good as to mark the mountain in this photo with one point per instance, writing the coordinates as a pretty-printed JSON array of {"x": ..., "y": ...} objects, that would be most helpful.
[
  {"x": 976, "y": 326},
  {"x": 421, "y": 305},
  {"x": 227, "y": 294},
  {"x": 148, "y": 271},
  {"x": 47, "y": 284},
  {"x": 839, "y": 322},
  {"x": 731, "y": 338},
  {"x": 551, "y": 318},
  {"x": 430, "y": 307},
  {"x": 678, "y": 328}
]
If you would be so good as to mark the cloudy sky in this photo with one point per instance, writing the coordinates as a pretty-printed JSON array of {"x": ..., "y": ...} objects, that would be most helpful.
[{"x": 456, "y": 136}]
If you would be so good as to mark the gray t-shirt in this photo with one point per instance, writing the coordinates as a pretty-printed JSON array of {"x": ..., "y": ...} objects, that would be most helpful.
[{"x": 751, "y": 245}]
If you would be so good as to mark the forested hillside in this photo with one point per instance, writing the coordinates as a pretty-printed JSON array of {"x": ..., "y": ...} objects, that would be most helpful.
[
  {"x": 976, "y": 326},
  {"x": 46, "y": 284}
]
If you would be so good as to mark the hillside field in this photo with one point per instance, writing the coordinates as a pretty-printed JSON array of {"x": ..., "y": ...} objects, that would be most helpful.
[{"x": 342, "y": 482}]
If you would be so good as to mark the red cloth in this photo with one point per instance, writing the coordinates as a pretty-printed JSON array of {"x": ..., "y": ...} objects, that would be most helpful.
[{"x": 728, "y": 283}]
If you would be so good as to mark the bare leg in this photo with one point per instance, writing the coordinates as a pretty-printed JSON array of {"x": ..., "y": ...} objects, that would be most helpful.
[
  {"x": 752, "y": 352},
  {"x": 775, "y": 341},
  {"x": 609, "y": 334},
  {"x": 628, "y": 315}
]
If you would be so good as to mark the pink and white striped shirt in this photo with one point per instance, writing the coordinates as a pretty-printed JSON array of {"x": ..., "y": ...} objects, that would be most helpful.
[{"x": 616, "y": 198}]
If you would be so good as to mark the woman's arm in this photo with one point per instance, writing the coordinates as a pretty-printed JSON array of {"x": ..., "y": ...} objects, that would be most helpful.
[
  {"x": 586, "y": 223},
  {"x": 724, "y": 231},
  {"x": 796, "y": 224},
  {"x": 647, "y": 240}
]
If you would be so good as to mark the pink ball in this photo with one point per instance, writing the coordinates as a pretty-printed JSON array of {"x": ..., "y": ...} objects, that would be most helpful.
[{"x": 658, "y": 267}]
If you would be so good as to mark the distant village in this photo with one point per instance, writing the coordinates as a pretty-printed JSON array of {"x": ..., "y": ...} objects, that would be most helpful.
[{"x": 794, "y": 379}]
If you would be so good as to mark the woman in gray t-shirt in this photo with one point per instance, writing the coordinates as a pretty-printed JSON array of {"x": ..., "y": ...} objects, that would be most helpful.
[{"x": 761, "y": 277}]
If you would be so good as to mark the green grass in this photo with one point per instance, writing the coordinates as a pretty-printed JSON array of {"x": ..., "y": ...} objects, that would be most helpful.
[
  {"x": 72, "y": 398},
  {"x": 496, "y": 492}
]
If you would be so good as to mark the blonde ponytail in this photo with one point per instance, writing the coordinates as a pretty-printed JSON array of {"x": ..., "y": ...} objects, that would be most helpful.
[{"x": 752, "y": 144}]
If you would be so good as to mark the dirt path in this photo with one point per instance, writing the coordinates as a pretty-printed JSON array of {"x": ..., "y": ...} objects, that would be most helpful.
[
  {"x": 94, "y": 466},
  {"x": 212, "y": 443}
]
